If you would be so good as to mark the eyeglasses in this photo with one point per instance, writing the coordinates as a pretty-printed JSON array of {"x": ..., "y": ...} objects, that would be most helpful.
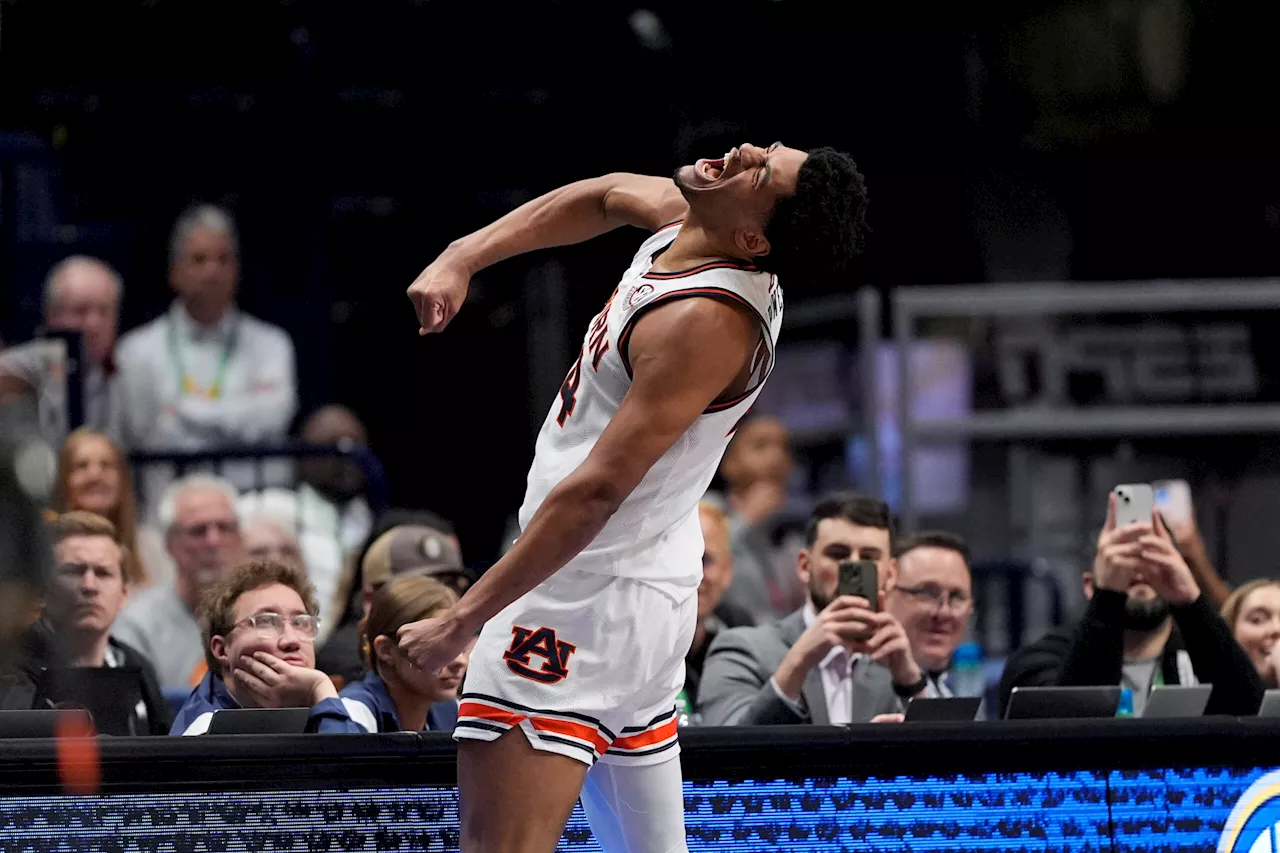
[
  {"x": 938, "y": 598},
  {"x": 270, "y": 626}
]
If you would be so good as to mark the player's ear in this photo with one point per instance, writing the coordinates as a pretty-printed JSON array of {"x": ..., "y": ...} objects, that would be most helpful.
[{"x": 751, "y": 243}]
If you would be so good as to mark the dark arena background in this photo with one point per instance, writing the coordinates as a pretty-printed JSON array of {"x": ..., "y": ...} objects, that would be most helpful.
[{"x": 1071, "y": 282}]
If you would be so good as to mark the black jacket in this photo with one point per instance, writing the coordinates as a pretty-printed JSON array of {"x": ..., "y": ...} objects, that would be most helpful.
[
  {"x": 1092, "y": 653},
  {"x": 39, "y": 653}
]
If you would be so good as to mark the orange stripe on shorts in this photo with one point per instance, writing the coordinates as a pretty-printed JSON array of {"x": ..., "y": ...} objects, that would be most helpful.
[
  {"x": 649, "y": 738},
  {"x": 488, "y": 712},
  {"x": 577, "y": 730}
]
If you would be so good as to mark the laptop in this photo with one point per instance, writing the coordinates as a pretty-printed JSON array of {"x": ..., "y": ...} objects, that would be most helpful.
[
  {"x": 43, "y": 723},
  {"x": 259, "y": 721},
  {"x": 1270, "y": 704},
  {"x": 945, "y": 709},
  {"x": 1167, "y": 701},
  {"x": 110, "y": 694},
  {"x": 1049, "y": 703}
]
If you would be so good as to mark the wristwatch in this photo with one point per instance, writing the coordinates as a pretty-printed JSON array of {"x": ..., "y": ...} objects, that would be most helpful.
[{"x": 907, "y": 691}]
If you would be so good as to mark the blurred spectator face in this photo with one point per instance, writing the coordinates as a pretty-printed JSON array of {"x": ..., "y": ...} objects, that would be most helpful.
[
  {"x": 88, "y": 301},
  {"x": 265, "y": 539},
  {"x": 205, "y": 274},
  {"x": 1257, "y": 628},
  {"x": 761, "y": 450},
  {"x": 205, "y": 540},
  {"x": 839, "y": 539},
  {"x": 738, "y": 192},
  {"x": 338, "y": 479},
  {"x": 275, "y": 608},
  {"x": 717, "y": 563},
  {"x": 932, "y": 597},
  {"x": 88, "y": 589},
  {"x": 94, "y": 481}
]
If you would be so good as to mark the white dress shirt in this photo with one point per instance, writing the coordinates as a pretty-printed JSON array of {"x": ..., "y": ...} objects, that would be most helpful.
[
  {"x": 250, "y": 362},
  {"x": 836, "y": 670},
  {"x": 41, "y": 364}
]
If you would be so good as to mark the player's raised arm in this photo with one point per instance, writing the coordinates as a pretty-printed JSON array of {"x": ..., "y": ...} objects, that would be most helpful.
[
  {"x": 666, "y": 397},
  {"x": 571, "y": 214}
]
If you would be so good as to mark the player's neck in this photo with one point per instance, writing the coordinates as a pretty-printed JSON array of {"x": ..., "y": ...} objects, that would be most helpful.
[{"x": 693, "y": 246}]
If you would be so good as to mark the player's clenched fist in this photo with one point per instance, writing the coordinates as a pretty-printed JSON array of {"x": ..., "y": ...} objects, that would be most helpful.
[
  {"x": 432, "y": 644},
  {"x": 438, "y": 292}
]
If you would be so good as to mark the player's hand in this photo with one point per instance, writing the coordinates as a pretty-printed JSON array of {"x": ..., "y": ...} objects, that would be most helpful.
[
  {"x": 438, "y": 293},
  {"x": 1118, "y": 560},
  {"x": 276, "y": 683},
  {"x": 432, "y": 644},
  {"x": 1272, "y": 669},
  {"x": 1164, "y": 568}
]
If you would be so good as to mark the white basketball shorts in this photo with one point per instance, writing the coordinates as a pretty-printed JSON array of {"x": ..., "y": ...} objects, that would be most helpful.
[{"x": 587, "y": 665}]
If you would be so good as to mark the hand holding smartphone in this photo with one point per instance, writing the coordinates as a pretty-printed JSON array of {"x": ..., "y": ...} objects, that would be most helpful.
[
  {"x": 1135, "y": 503},
  {"x": 860, "y": 578}
]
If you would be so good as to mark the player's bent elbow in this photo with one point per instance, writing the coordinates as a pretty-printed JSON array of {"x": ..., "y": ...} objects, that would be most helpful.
[{"x": 600, "y": 496}]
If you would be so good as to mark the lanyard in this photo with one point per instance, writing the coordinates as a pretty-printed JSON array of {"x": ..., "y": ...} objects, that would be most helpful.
[{"x": 187, "y": 385}]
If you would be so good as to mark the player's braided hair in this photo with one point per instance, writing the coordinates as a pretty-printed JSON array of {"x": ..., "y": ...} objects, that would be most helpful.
[{"x": 814, "y": 234}]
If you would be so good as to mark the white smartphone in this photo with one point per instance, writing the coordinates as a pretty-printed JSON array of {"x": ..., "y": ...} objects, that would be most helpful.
[
  {"x": 1134, "y": 503},
  {"x": 1173, "y": 500}
]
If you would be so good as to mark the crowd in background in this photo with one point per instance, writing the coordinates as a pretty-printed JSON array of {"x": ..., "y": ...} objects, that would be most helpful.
[{"x": 266, "y": 585}]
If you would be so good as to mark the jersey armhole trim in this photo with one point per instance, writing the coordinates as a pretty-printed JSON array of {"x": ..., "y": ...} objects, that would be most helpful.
[
  {"x": 624, "y": 337},
  {"x": 672, "y": 224}
]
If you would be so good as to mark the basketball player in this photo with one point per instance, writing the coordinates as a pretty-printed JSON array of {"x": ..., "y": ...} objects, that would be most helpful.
[{"x": 586, "y": 620}]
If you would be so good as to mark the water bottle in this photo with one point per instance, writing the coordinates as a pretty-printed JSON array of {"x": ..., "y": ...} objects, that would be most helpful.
[
  {"x": 967, "y": 676},
  {"x": 684, "y": 712},
  {"x": 1125, "y": 708}
]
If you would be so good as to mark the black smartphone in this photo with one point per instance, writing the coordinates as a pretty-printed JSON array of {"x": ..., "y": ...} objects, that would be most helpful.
[{"x": 860, "y": 578}]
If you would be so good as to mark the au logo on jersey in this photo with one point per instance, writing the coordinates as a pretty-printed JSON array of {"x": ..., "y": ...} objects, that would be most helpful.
[
  {"x": 527, "y": 644},
  {"x": 1254, "y": 823}
]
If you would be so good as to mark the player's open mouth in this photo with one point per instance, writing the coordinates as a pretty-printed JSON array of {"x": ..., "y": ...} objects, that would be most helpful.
[{"x": 710, "y": 170}]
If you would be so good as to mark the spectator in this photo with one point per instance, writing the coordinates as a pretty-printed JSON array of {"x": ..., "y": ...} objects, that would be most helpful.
[
  {"x": 85, "y": 594},
  {"x": 328, "y": 508},
  {"x": 1253, "y": 614},
  {"x": 932, "y": 597},
  {"x": 203, "y": 537},
  {"x": 419, "y": 549},
  {"x": 756, "y": 469},
  {"x": 259, "y": 626},
  {"x": 396, "y": 696},
  {"x": 717, "y": 574},
  {"x": 1146, "y": 624},
  {"x": 269, "y": 538},
  {"x": 811, "y": 666},
  {"x": 94, "y": 475},
  {"x": 1191, "y": 545},
  {"x": 81, "y": 294},
  {"x": 205, "y": 375}
]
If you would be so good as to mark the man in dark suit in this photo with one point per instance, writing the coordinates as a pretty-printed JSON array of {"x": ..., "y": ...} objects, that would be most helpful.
[{"x": 810, "y": 667}]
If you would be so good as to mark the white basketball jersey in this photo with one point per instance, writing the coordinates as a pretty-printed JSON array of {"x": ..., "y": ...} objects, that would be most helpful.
[{"x": 655, "y": 534}]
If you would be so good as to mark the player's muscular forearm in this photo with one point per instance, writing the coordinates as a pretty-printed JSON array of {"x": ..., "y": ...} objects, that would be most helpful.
[{"x": 572, "y": 214}]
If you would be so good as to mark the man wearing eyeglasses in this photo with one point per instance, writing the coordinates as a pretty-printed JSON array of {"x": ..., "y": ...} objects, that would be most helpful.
[
  {"x": 836, "y": 660},
  {"x": 202, "y": 534},
  {"x": 259, "y": 628},
  {"x": 932, "y": 596}
]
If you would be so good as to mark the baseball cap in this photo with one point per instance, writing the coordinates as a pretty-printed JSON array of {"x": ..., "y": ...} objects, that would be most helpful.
[{"x": 410, "y": 549}]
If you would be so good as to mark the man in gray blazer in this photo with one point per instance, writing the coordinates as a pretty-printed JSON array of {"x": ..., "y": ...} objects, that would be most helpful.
[{"x": 809, "y": 667}]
